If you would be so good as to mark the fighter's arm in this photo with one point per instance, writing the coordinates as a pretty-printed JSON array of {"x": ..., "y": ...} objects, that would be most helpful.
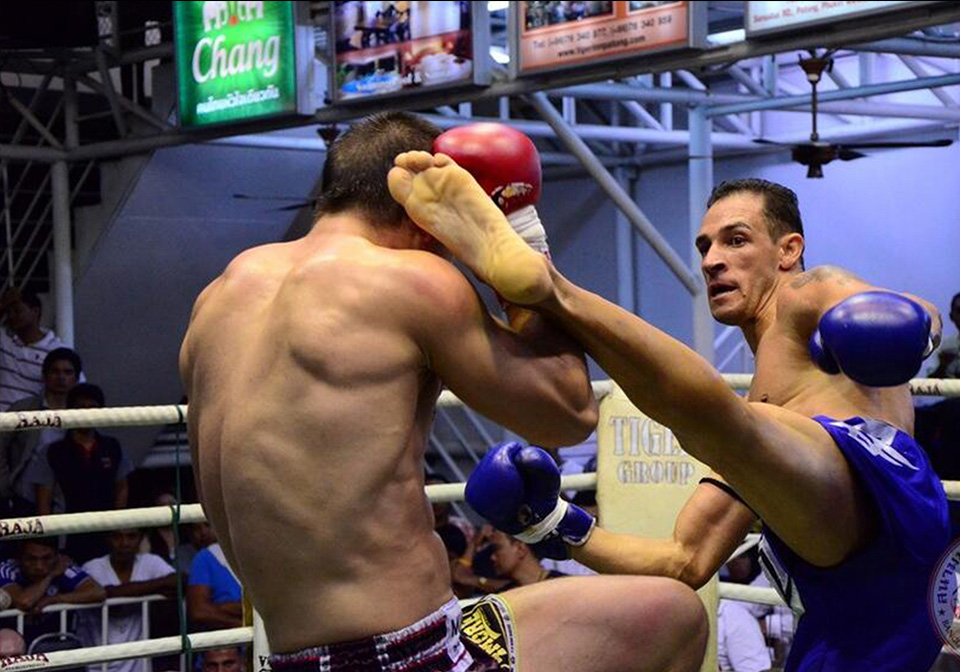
[
  {"x": 526, "y": 376},
  {"x": 708, "y": 529}
]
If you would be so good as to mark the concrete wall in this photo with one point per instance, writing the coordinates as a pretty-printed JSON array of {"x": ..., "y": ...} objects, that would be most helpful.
[{"x": 174, "y": 234}]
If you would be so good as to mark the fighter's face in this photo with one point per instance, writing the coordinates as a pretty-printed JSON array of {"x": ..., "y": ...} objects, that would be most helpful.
[{"x": 739, "y": 259}]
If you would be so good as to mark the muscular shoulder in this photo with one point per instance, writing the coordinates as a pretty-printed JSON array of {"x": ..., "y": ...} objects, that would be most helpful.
[
  {"x": 822, "y": 275},
  {"x": 804, "y": 298}
]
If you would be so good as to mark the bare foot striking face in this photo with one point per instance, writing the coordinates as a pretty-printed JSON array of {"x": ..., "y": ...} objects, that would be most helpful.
[{"x": 445, "y": 200}]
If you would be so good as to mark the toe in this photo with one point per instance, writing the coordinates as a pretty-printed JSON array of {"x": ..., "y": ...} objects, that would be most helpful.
[{"x": 400, "y": 182}]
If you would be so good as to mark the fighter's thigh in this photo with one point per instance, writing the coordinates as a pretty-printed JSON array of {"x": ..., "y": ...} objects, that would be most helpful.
[
  {"x": 615, "y": 623},
  {"x": 789, "y": 470}
]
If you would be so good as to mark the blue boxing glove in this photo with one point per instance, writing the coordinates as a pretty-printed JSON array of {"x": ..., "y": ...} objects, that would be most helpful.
[
  {"x": 875, "y": 338},
  {"x": 517, "y": 489}
]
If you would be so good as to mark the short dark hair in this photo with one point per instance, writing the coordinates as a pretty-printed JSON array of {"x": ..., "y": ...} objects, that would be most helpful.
[
  {"x": 780, "y": 206},
  {"x": 954, "y": 299},
  {"x": 355, "y": 172},
  {"x": 62, "y": 355},
  {"x": 85, "y": 391},
  {"x": 30, "y": 299},
  {"x": 48, "y": 542}
]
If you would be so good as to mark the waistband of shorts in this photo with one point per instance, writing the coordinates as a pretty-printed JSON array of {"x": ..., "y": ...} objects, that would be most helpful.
[{"x": 432, "y": 644}]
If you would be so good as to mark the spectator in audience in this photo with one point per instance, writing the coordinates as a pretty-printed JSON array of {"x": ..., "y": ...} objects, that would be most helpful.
[
  {"x": 948, "y": 354},
  {"x": 11, "y": 643},
  {"x": 224, "y": 660},
  {"x": 516, "y": 561},
  {"x": 161, "y": 541},
  {"x": 740, "y": 643},
  {"x": 60, "y": 371},
  {"x": 124, "y": 572},
  {"x": 214, "y": 598},
  {"x": 23, "y": 346},
  {"x": 91, "y": 469},
  {"x": 40, "y": 577}
]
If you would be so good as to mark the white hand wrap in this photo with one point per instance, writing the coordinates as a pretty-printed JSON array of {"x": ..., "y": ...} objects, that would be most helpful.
[
  {"x": 538, "y": 532},
  {"x": 526, "y": 223}
]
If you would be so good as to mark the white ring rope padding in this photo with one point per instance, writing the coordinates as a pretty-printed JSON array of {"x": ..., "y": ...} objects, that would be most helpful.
[
  {"x": 136, "y": 416},
  {"x": 161, "y": 516},
  {"x": 754, "y": 594},
  {"x": 199, "y": 641}
]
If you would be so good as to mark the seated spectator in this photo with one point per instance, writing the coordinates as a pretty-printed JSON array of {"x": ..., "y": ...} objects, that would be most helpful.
[
  {"x": 23, "y": 346},
  {"x": 948, "y": 354},
  {"x": 214, "y": 597},
  {"x": 740, "y": 643},
  {"x": 224, "y": 660},
  {"x": 11, "y": 643},
  {"x": 124, "y": 572},
  {"x": 162, "y": 541},
  {"x": 516, "y": 561},
  {"x": 61, "y": 370},
  {"x": 40, "y": 577},
  {"x": 91, "y": 468}
]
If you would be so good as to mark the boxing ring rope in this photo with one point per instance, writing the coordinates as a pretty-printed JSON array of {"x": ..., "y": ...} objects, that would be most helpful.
[
  {"x": 133, "y": 416},
  {"x": 74, "y": 523}
]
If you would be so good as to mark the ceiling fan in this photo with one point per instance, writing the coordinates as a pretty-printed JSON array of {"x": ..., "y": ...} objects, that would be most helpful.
[{"x": 816, "y": 154}]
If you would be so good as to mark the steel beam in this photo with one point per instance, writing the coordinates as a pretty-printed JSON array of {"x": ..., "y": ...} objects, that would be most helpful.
[
  {"x": 34, "y": 122},
  {"x": 914, "y": 65},
  {"x": 839, "y": 94},
  {"x": 609, "y": 184},
  {"x": 700, "y": 184},
  {"x": 62, "y": 253},
  {"x": 910, "y": 46},
  {"x": 127, "y": 104}
]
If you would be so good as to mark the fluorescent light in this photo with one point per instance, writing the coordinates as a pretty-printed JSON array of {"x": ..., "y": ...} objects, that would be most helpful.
[
  {"x": 497, "y": 6},
  {"x": 728, "y": 37},
  {"x": 499, "y": 54}
]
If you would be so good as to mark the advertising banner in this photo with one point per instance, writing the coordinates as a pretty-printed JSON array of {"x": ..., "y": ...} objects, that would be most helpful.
[
  {"x": 546, "y": 36},
  {"x": 776, "y": 17},
  {"x": 238, "y": 61},
  {"x": 395, "y": 48}
]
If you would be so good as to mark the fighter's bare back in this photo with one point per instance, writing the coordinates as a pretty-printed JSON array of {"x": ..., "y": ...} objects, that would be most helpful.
[{"x": 309, "y": 412}]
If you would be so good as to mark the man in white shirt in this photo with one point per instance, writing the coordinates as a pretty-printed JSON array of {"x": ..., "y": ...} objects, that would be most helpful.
[
  {"x": 23, "y": 346},
  {"x": 124, "y": 573},
  {"x": 740, "y": 643}
]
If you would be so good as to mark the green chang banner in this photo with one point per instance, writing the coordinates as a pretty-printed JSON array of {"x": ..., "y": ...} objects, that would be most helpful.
[{"x": 236, "y": 61}]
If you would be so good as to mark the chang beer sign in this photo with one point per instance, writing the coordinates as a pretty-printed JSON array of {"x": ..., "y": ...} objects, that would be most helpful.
[{"x": 238, "y": 61}]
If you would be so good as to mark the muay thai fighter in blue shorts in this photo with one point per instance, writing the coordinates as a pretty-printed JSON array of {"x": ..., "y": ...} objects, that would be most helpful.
[{"x": 854, "y": 517}]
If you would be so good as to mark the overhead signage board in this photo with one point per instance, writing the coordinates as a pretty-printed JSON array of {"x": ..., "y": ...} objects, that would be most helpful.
[
  {"x": 397, "y": 49},
  {"x": 775, "y": 17},
  {"x": 240, "y": 61},
  {"x": 547, "y": 36}
]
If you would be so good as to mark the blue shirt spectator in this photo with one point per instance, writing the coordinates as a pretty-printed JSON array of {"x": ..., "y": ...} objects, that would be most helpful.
[{"x": 214, "y": 594}]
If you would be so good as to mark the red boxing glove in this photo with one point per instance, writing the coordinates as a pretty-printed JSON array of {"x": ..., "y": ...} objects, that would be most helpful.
[{"x": 506, "y": 164}]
